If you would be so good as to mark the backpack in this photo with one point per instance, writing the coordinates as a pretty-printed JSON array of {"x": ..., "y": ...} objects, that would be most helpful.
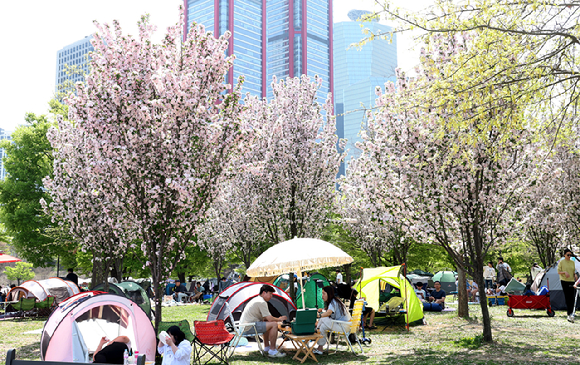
[{"x": 502, "y": 273}]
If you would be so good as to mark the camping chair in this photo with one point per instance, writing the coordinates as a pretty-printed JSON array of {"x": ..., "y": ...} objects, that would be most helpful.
[
  {"x": 239, "y": 329},
  {"x": 393, "y": 306},
  {"x": 25, "y": 305},
  {"x": 45, "y": 307},
  {"x": 210, "y": 335},
  {"x": 346, "y": 328},
  {"x": 183, "y": 326}
]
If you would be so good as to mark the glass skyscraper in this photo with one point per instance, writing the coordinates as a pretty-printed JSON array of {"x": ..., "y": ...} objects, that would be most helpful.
[
  {"x": 357, "y": 73},
  {"x": 285, "y": 38},
  {"x": 3, "y": 135},
  {"x": 75, "y": 54}
]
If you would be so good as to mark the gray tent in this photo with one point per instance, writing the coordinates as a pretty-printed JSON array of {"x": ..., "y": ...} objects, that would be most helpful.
[{"x": 549, "y": 278}]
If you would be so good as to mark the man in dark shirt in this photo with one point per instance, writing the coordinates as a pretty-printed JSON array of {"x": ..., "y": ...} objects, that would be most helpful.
[
  {"x": 179, "y": 291},
  {"x": 72, "y": 277},
  {"x": 437, "y": 296}
]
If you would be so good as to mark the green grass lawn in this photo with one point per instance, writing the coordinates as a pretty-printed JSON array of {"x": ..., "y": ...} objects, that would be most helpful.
[{"x": 531, "y": 337}]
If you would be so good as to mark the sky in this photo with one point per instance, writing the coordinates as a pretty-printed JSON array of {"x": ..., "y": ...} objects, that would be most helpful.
[{"x": 33, "y": 31}]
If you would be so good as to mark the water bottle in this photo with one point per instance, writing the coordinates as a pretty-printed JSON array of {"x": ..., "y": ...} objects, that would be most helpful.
[{"x": 126, "y": 357}]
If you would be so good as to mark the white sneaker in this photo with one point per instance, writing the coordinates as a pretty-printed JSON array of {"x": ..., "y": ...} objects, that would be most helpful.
[
  {"x": 277, "y": 354},
  {"x": 571, "y": 318},
  {"x": 317, "y": 352}
]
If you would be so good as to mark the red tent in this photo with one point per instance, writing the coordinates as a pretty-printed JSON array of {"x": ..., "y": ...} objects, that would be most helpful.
[{"x": 7, "y": 258}]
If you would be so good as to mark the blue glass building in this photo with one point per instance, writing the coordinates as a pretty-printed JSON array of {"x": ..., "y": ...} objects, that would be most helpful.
[
  {"x": 75, "y": 54},
  {"x": 357, "y": 73},
  {"x": 3, "y": 135},
  {"x": 285, "y": 38}
]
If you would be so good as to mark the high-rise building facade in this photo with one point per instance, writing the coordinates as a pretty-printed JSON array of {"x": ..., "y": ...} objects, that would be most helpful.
[
  {"x": 75, "y": 54},
  {"x": 357, "y": 73},
  {"x": 3, "y": 135},
  {"x": 285, "y": 38}
]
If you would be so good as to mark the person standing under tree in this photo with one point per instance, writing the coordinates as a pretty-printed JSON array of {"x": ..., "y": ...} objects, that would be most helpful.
[
  {"x": 71, "y": 276},
  {"x": 488, "y": 275},
  {"x": 338, "y": 277},
  {"x": 566, "y": 269},
  {"x": 503, "y": 272}
]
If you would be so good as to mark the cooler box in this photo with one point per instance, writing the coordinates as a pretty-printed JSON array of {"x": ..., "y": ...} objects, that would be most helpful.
[
  {"x": 497, "y": 300},
  {"x": 305, "y": 322}
]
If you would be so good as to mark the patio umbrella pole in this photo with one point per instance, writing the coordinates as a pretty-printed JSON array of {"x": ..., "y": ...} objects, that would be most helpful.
[{"x": 301, "y": 288}]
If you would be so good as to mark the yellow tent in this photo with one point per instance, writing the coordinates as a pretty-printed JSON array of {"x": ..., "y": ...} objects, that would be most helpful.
[{"x": 372, "y": 281}]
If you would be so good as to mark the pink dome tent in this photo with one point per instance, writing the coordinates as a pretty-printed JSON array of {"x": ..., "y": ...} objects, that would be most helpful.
[{"x": 76, "y": 326}]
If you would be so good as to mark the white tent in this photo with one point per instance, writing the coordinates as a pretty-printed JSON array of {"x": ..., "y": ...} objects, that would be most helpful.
[{"x": 56, "y": 287}]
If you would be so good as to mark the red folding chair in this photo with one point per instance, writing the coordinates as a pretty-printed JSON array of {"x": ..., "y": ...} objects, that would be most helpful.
[{"x": 212, "y": 338}]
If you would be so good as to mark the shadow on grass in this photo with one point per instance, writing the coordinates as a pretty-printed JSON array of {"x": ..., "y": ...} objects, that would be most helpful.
[
  {"x": 471, "y": 351},
  {"x": 29, "y": 352},
  {"x": 342, "y": 356}
]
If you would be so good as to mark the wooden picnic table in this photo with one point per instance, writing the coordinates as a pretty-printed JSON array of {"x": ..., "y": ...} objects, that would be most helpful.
[{"x": 304, "y": 344}]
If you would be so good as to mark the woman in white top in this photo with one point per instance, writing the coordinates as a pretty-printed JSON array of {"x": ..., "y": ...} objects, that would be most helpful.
[
  {"x": 334, "y": 309},
  {"x": 177, "y": 350},
  {"x": 488, "y": 275}
]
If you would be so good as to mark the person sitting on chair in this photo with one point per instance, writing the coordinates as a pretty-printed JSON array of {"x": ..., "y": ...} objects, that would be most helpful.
[
  {"x": 368, "y": 311},
  {"x": 257, "y": 312},
  {"x": 334, "y": 309},
  {"x": 179, "y": 291},
  {"x": 111, "y": 352},
  {"x": 176, "y": 350},
  {"x": 472, "y": 293}
]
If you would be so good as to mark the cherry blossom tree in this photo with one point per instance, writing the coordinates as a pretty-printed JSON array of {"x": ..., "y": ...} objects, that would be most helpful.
[
  {"x": 447, "y": 170},
  {"x": 78, "y": 204},
  {"x": 156, "y": 127},
  {"x": 551, "y": 219},
  {"x": 377, "y": 232},
  {"x": 233, "y": 218},
  {"x": 290, "y": 169},
  {"x": 283, "y": 184}
]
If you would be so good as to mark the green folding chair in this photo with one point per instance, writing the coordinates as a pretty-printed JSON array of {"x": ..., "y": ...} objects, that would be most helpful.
[
  {"x": 25, "y": 306},
  {"x": 45, "y": 307}
]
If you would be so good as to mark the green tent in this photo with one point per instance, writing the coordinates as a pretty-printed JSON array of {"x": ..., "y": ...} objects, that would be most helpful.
[
  {"x": 444, "y": 276},
  {"x": 312, "y": 292},
  {"x": 281, "y": 281},
  {"x": 131, "y": 290},
  {"x": 369, "y": 286}
]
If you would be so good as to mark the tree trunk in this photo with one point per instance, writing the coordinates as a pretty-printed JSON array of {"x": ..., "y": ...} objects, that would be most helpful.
[
  {"x": 462, "y": 307},
  {"x": 292, "y": 291},
  {"x": 347, "y": 274},
  {"x": 181, "y": 277},
  {"x": 487, "y": 337},
  {"x": 158, "y": 290},
  {"x": 117, "y": 269},
  {"x": 98, "y": 276}
]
